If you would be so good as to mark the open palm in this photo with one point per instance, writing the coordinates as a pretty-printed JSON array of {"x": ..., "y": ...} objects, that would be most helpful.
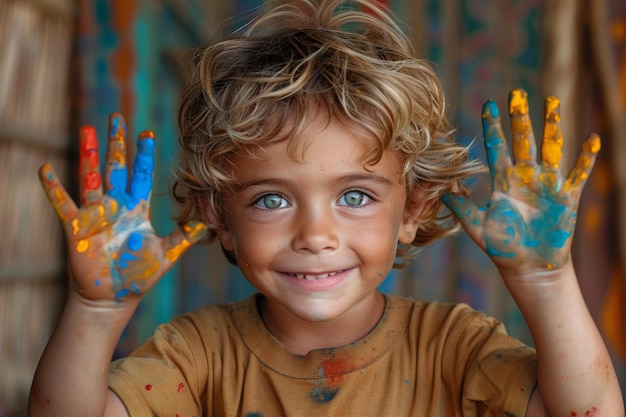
[
  {"x": 529, "y": 220},
  {"x": 113, "y": 250}
]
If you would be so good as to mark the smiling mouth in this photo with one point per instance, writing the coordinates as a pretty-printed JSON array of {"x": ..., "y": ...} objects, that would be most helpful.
[{"x": 312, "y": 277}]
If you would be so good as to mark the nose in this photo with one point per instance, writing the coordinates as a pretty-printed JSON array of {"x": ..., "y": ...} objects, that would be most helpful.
[{"x": 315, "y": 231}]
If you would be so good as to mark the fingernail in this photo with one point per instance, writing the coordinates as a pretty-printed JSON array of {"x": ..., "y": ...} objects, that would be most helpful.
[{"x": 491, "y": 109}]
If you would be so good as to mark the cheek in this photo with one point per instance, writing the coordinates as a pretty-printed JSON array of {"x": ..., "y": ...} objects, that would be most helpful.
[
  {"x": 377, "y": 240},
  {"x": 254, "y": 245}
]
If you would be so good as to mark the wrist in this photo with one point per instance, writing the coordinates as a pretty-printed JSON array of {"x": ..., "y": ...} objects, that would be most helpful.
[{"x": 108, "y": 313}]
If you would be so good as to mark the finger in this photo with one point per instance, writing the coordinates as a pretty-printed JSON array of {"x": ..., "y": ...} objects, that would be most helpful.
[
  {"x": 182, "y": 239},
  {"x": 552, "y": 145},
  {"x": 93, "y": 219},
  {"x": 89, "y": 166},
  {"x": 524, "y": 144},
  {"x": 468, "y": 214},
  {"x": 116, "y": 176},
  {"x": 63, "y": 205},
  {"x": 498, "y": 157},
  {"x": 143, "y": 167},
  {"x": 578, "y": 176}
]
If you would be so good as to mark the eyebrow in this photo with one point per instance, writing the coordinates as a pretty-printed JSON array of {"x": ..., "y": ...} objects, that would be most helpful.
[{"x": 379, "y": 179}]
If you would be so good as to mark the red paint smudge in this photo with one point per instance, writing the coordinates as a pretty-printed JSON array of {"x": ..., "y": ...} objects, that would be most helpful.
[
  {"x": 335, "y": 368},
  {"x": 148, "y": 387},
  {"x": 180, "y": 386},
  {"x": 91, "y": 181},
  {"x": 89, "y": 140}
]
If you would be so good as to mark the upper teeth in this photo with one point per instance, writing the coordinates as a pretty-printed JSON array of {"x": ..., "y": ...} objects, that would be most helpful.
[{"x": 312, "y": 277}]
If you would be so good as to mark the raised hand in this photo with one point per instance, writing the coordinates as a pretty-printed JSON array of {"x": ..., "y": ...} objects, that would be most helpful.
[
  {"x": 529, "y": 221},
  {"x": 113, "y": 251}
]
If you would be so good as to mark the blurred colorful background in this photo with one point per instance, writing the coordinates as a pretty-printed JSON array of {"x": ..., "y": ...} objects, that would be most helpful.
[{"x": 66, "y": 63}]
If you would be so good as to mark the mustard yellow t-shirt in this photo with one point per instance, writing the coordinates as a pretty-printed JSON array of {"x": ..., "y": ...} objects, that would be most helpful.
[{"x": 421, "y": 359}]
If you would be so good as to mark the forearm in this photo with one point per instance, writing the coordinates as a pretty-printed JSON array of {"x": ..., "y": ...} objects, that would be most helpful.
[
  {"x": 72, "y": 375},
  {"x": 576, "y": 376}
]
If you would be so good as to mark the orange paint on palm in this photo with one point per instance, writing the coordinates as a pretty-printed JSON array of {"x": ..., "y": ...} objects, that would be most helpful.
[
  {"x": 149, "y": 267},
  {"x": 88, "y": 222},
  {"x": 82, "y": 246},
  {"x": 550, "y": 180},
  {"x": 551, "y": 150},
  {"x": 75, "y": 226},
  {"x": 525, "y": 172}
]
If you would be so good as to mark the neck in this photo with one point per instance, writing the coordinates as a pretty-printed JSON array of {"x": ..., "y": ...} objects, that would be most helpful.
[{"x": 301, "y": 336}]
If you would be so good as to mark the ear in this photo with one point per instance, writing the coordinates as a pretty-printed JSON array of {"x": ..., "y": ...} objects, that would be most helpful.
[
  {"x": 408, "y": 230},
  {"x": 414, "y": 215},
  {"x": 226, "y": 239},
  {"x": 211, "y": 218}
]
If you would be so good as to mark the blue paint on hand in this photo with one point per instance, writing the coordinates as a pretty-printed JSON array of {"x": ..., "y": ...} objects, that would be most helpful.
[
  {"x": 493, "y": 108},
  {"x": 117, "y": 181},
  {"x": 141, "y": 180},
  {"x": 121, "y": 293},
  {"x": 135, "y": 241}
]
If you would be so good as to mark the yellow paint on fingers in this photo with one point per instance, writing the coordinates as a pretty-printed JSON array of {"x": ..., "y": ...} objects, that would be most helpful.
[
  {"x": 551, "y": 150},
  {"x": 520, "y": 125}
]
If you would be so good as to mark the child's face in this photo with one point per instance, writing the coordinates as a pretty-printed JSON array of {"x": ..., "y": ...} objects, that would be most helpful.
[{"x": 317, "y": 236}]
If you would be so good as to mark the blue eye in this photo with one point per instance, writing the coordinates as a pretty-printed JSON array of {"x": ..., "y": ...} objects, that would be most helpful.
[
  {"x": 354, "y": 199},
  {"x": 271, "y": 202}
]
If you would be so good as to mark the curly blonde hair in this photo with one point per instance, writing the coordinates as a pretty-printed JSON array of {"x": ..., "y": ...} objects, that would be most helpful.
[{"x": 348, "y": 59}]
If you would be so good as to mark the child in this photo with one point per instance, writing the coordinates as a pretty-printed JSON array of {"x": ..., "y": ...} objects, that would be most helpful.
[{"x": 316, "y": 151}]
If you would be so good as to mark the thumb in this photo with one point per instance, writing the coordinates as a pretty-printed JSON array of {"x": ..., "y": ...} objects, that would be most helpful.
[
  {"x": 468, "y": 214},
  {"x": 182, "y": 238}
]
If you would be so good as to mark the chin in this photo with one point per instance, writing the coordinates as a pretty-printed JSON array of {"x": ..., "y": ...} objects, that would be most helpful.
[{"x": 315, "y": 313}]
